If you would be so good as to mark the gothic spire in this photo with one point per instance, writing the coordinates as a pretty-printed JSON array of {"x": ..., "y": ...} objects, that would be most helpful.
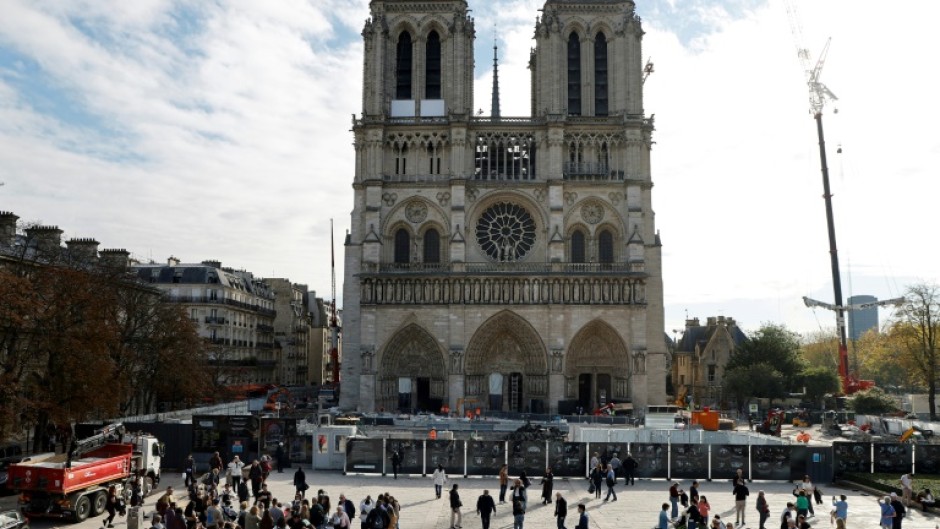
[{"x": 494, "y": 108}]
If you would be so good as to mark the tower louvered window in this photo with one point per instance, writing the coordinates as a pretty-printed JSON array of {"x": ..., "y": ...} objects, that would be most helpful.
[
  {"x": 403, "y": 67},
  {"x": 600, "y": 75},
  {"x": 432, "y": 82},
  {"x": 574, "y": 75}
]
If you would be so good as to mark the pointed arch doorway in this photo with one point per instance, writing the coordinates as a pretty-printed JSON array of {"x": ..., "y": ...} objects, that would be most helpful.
[
  {"x": 412, "y": 374},
  {"x": 598, "y": 366},
  {"x": 507, "y": 366}
]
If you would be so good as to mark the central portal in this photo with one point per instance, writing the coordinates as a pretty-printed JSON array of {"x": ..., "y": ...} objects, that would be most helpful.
[{"x": 507, "y": 362}]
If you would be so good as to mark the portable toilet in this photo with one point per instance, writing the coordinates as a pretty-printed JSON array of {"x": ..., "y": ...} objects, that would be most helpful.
[{"x": 329, "y": 446}]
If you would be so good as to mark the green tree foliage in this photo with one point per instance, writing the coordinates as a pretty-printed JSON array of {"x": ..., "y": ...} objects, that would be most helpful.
[
  {"x": 820, "y": 381},
  {"x": 759, "y": 380},
  {"x": 917, "y": 332},
  {"x": 821, "y": 349},
  {"x": 776, "y": 346},
  {"x": 872, "y": 401}
]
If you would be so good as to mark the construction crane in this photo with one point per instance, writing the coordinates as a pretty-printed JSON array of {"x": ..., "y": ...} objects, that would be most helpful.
[{"x": 819, "y": 95}]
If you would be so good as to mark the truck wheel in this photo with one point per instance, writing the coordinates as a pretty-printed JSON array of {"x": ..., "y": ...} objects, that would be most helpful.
[
  {"x": 98, "y": 503},
  {"x": 82, "y": 509}
]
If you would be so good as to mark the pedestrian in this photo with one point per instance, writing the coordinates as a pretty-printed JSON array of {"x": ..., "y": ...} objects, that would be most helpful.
[
  {"x": 242, "y": 491},
  {"x": 611, "y": 483},
  {"x": 547, "y": 484},
  {"x": 899, "y": 511},
  {"x": 693, "y": 493},
  {"x": 807, "y": 486},
  {"x": 340, "y": 519},
  {"x": 583, "y": 520},
  {"x": 693, "y": 517},
  {"x": 503, "y": 482},
  {"x": 214, "y": 516},
  {"x": 663, "y": 518},
  {"x": 215, "y": 462},
  {"x": 266, "y": 521},
  {"x": 703, "y": 507},
  {"x": 519, "y": 493},
  {"x": 674, "y": 499},
  {"x": 763, "y": 509},
  {"x": 840, "y": 509},
  {"x": 887, "y": 513},
  {"x": 396, "y": 462},
  {"x": 629, "y": 468},
  {"x": 265, "y": 497},
  {"x": 597, "y": 477},
  {"x": 787, "y": 516},
  {"x": 561, "y": 510},
  {"x": 907, "y": 487},
  {"x": 524, "y": 479},
  {"x": 738, "y": 478},
  {"x": 439, "y": 477},
  {"x": 365, "y": 507},
  {"x": 740, "y": 501},
  {"x": 802, "y": 502},
  {"x": 111, "y": 506},
  {"x": 615, "y": 462},
  {"x": 281, "y": 457},
  {"x": 256, "y": 476},
  {"x": 518, "y": 514},
  {"x": 455, "y": 505},
  {"x": 235, "y": 468},
  {"x": 300, "y": 482},
  {"x": 189, "y": 471},
  {"x": 595, "y": 459},
  {"x": 485, "y": 508}
]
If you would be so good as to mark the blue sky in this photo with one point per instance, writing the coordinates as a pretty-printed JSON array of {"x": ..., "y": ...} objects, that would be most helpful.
[{"x": 220, "y": 131}]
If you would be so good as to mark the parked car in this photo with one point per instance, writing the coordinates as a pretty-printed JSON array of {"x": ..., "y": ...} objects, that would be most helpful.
[{"x": 13, "y": 520}]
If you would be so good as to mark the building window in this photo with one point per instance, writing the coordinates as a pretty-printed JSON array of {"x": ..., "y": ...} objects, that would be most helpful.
[
  {"x": 605, "y": 247},
  {"x": 600, "y": 75},
  {"x": 403, "y": 67},
  {"x": 574, "y": 75},
  {"x": 401, "y": 161},
  {"x": 434, "y": 160},
  {"x": 712, "y": 373},
  {"x": 577, "y": 247},
  {"x": 432, "y": 246},
  {"x": 432, "y": 82},
  {"x": 402, "y": 246}
]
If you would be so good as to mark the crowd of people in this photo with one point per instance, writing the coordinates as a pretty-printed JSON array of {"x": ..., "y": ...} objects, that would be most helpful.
[
  {"x": 236, "y": 496},
  {"x": 690, "y": 510}
]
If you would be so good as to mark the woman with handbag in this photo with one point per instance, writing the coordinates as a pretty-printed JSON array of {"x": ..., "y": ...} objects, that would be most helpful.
[{"x": 597, "y": 477}]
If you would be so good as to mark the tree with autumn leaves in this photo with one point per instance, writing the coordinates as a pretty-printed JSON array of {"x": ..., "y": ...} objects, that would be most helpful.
[
  {"x": 904, "y": 356},
  {"x": 85, "y": 340}
]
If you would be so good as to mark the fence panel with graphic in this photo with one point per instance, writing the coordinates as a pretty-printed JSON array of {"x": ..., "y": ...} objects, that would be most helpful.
[
  {"x": 652, "y": 459},
  {"x": 853, "y": 458},
  {"x": 485, "y": 458},
  {"x": 567, "y": 459},
  {"x": 689, "y": 461},
  {"x": 412, "y": 455},
  {"x": 364, "y": 456}
]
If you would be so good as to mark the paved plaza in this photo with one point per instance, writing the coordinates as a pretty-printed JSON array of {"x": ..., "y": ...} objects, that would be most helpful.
[{"x": 637, "y": 506}]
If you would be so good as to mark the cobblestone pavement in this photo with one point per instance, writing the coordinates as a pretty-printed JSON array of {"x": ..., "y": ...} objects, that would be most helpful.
[{"x": 637, "y": 506}]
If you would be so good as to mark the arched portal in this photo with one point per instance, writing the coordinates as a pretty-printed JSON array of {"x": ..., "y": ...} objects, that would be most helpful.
[
  {"x": 412, "y": 374},
  {"x": 507, "y": 366},
  {"x": 597, "y": 366}
]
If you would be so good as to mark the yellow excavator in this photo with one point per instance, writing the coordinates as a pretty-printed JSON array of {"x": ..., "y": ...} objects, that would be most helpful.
[
  {"x": 680, "y": 398},
  {"x": 910, "y": 433}
]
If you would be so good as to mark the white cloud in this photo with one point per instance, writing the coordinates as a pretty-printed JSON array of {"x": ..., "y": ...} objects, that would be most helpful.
[{"x": 227, "y": 137}]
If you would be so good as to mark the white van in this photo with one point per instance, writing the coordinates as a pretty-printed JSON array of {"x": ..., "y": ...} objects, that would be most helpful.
[{"x": 662, "y": 417}]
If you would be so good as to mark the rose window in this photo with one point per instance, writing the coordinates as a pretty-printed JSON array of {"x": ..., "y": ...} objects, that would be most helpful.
[{"x": 506, "y": 232}]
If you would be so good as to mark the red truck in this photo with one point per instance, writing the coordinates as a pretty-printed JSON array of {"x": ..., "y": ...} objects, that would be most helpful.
[{"x": 75, "y": 484}]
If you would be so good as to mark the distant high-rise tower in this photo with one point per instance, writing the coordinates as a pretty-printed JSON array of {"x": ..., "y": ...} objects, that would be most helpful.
[{"x": 861, "y": 321}]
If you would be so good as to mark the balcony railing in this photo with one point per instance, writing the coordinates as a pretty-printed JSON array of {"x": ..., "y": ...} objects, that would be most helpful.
[
  {"x": 262, "y": 327},
  {"x": 221, "y": 301},
  {"x": 216, "y": 320},
  {"x": 504, "y": 268}
]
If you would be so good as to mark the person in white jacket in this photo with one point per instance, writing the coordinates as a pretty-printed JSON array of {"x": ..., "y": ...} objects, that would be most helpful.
[
  {"x": 440, "y": 479},
  {"x": 235, "y": 471}
]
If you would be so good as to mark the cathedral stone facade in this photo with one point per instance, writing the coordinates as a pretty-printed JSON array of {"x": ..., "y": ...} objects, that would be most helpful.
[{"x": 502, "y": 263}]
